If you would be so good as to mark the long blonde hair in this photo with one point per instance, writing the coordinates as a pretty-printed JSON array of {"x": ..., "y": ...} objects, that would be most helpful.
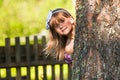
[{"x": 56, "y": 43}]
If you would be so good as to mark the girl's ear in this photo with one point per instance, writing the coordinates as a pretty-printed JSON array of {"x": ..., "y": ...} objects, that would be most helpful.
[{"x": 71, "y": 20}]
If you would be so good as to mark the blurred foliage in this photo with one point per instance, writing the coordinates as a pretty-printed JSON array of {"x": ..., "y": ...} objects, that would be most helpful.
[{"x": 27, "y": 17}]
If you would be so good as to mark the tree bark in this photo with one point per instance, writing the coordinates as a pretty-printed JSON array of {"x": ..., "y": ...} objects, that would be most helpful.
[{"x": 97, "y": 40}]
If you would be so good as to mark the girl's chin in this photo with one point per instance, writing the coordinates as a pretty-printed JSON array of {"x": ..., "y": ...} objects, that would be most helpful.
[{"x": 65, "y": 34}]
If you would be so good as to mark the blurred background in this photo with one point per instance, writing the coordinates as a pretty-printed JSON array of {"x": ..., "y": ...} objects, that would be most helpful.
[{"x": 20, "y": 18}]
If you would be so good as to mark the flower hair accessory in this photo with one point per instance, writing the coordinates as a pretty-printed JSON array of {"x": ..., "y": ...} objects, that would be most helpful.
[{"x": 48, "y": 19}]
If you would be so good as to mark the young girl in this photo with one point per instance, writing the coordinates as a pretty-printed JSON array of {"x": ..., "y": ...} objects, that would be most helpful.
[{"x": 61, "y": 26}]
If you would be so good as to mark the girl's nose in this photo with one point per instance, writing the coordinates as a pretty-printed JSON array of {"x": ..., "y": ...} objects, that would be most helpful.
[{"x": 61, "y": 26}]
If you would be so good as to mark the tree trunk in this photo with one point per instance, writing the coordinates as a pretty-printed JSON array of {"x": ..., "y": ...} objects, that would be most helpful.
[{"x": 97, "y": 40}]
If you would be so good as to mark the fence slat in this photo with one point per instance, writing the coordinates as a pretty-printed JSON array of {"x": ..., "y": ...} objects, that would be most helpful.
[
  {"x": 61, "y": 71},
  {"x": 7, "y": 57},
  {"x": 53, "y": 72},
  {"x": 43, "y": 41},
  {"x": 17, "y": 49},
  {"x": 36, "y": 48},
  {"x": 18, "y": 76},
  {"x": 36, "y": 72},
  {"x": 8, "y": 73},
  {"x": 7, "y": 50},
  {"x": 28, "y": 57},
  {"x": 44, "y": 72},
  {"x": 36, "y": 55},
  {"x": 69, "y": 72}
]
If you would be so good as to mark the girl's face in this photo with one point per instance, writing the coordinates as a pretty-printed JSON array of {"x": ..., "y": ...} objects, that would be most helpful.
[{"x": 65, "y": 26}]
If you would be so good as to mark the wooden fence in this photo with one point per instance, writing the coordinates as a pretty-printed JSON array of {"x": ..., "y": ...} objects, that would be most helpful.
[{"x": 29, "y": 55}]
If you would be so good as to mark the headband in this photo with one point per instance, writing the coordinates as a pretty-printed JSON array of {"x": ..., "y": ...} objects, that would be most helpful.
[
  {"x": 50, "y": 13},
  {"x": 48, "y": 19}
]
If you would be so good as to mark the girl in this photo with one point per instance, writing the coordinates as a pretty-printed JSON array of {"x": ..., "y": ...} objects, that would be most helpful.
[{"x": 61, "y": 26}]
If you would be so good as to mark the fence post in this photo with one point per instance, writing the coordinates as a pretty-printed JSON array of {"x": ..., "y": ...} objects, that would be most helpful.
[
  {"x": 36, "y": 56},
  {"x": 69, "y": 72},
  {"x": 17, "y": 49},
  {"x": 44, "y": 72},
  {"x": 61, "y": 71},
  {"x": 28, "y": 57},
  {"x": 7, "y": 57},
  {"x": 43, "y": 41},
  {"x": 53, "y": 72}
]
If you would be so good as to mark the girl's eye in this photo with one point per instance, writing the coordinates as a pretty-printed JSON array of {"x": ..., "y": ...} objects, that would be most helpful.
[
  {"x": 57, "y": 26},
  {"x": 61, "y": 20}
]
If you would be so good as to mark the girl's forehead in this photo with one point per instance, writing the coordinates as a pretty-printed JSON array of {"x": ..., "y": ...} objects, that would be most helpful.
[
  {"x": 55, "y": 21},
  {"x": 58, "y": 15},
  {"x": 57, "y": 18}
]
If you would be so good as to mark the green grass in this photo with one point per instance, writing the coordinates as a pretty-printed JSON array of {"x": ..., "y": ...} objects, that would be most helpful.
[{"x": 40, "y": 72}]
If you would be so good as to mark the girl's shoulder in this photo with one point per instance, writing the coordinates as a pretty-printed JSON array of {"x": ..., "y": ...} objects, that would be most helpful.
[{"x": 69, "y": 46}]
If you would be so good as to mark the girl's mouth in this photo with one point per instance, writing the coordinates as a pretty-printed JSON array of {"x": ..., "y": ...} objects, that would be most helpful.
[{"x": 64, "y": 29}]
